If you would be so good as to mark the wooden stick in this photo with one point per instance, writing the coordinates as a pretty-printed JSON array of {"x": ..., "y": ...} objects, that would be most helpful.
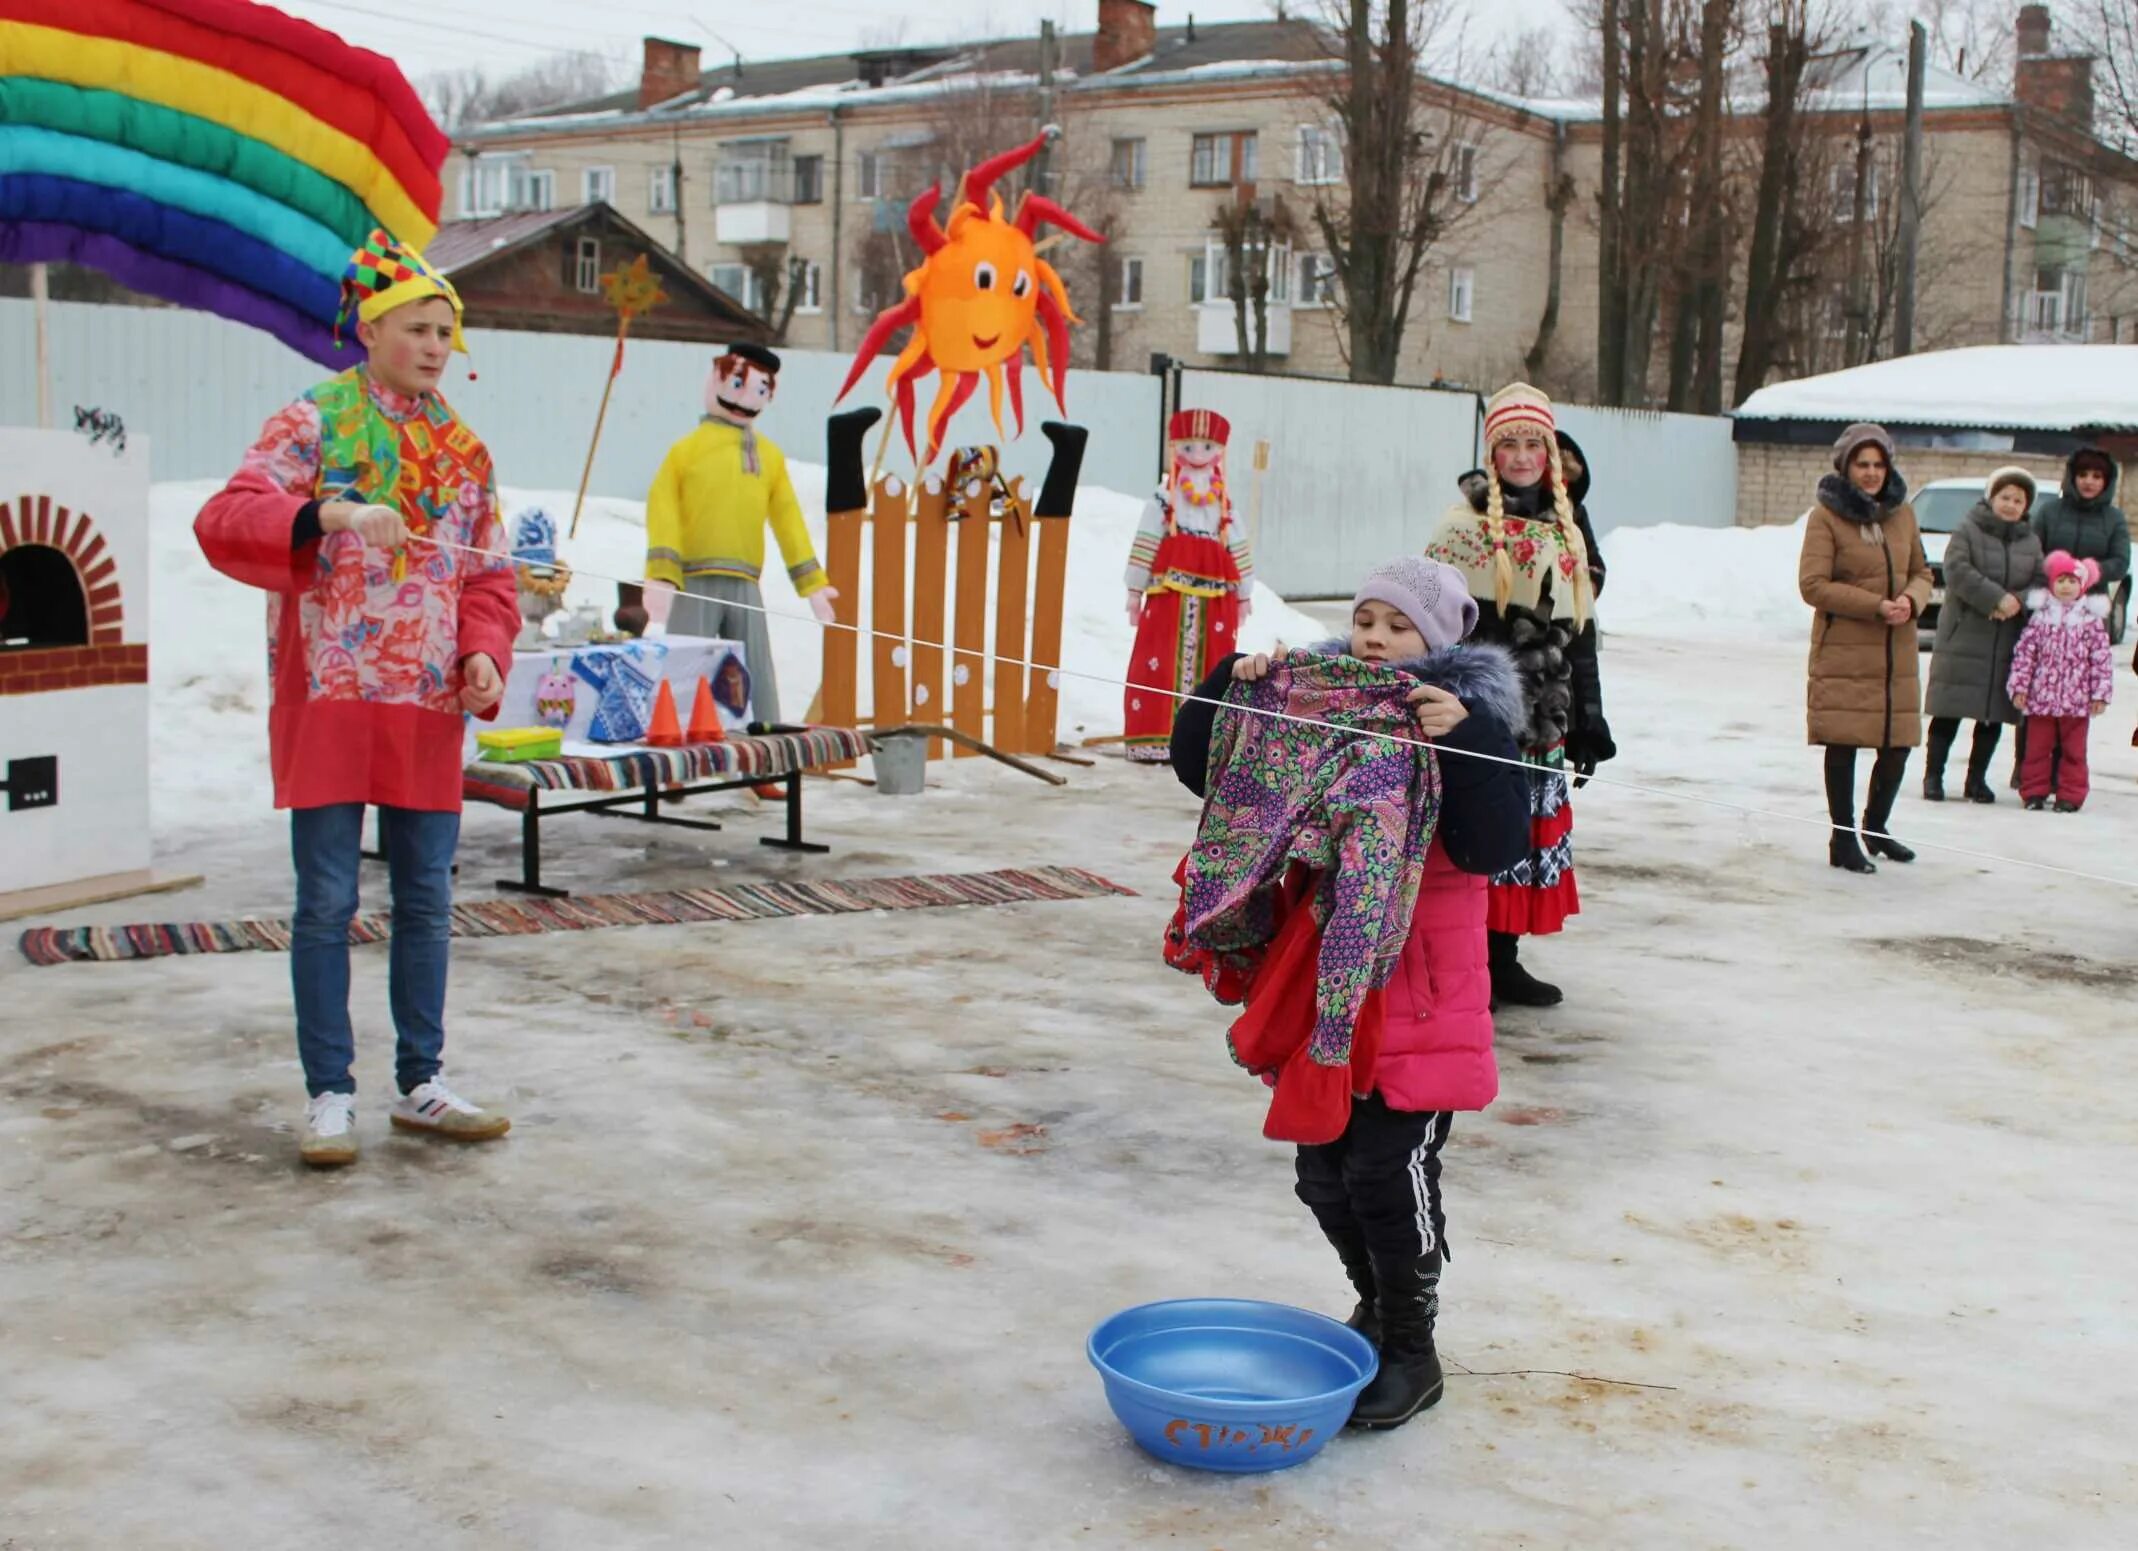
[
  {"x": 1103, "y": 739},
  {"x": 967, "y": 740},
  {"x": 623, "y": 327},
  {"x": 41, "y": 298},
  {"x": 1254, "y": 515},
  {"x": 1060, "y": 757}
]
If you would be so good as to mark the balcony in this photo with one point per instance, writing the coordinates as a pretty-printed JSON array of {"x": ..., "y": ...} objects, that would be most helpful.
[
  {"x": 753, "y": 202},
  {"x": 1215, "y": 333}
]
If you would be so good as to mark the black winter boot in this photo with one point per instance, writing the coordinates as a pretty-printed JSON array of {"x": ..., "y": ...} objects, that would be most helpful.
[
  {"x": 1843, "y": 852},
  {"x": 1409, "y": 1379},
  {"x": 1886, "y": 777},
  {"x": 846, "y": 486},
  {"x": 1057, "y": 493},
  {"x": 1512, "y": 985},
  {"x": 1979, "y": 755},
  {"x": 1942, "y": 732},
  {"x": 1342, "y": 1230}
]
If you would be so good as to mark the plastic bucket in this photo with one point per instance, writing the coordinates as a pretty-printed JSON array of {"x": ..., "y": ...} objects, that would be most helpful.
[{"x": 901, "y": 765}]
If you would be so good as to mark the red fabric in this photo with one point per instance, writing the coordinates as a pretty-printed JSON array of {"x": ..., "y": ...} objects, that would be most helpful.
[
  {"x": 1436, "y": 1052},
  {"x": 2056, "y": 759},
  {"x": 1161, "y": 662},
  {"x": 1526, "y": 910},
  {"x": 339, "y": 85},
  {"x": 1311, "y": 1103}
]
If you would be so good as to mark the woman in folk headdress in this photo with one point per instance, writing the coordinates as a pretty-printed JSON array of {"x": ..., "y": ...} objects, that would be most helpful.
[
  {"x": 1516, "y": 541},
  {"x": 1190, "y": 576}
]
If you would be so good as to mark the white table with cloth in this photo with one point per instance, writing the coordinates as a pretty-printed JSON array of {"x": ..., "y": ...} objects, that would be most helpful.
[{"x": 592, "y": 692}]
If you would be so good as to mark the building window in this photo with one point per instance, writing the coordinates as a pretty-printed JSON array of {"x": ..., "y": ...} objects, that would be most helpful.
[
  {"x": 1462, "y": 290},
  {"x": 1126, "y": 167},
  {"x": 810, "y": 282},
  {"x": 2029, "y": 197},
  {"x": 1843, "y": 184},
  {"x": 661, "y": 191},
  {"x": 1321, "y": 155},
  {"x": 1210, "y": 276},
  {"x": 1465, "y": 174},
  {"x": 1317, "y": 281},
  {"x": 1221, "y": 160},
  {"x": 809, "y": 180},
  {"x": 868, "y": 183},
  {"x": 586, "y": 265},
  {"x": 597, "y": 185},
  {"x": 486, "y": 186},
  {"x": 538, "y": 191},
  {"x": 754, "y": 172},
  {"x": 2066, "y": 190},
  {"x": 740, "y": 282},
  {"x": 1130, "y": 296}
]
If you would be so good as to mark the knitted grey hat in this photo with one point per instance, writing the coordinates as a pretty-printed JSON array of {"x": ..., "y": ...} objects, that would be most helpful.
[{"x": 1434, "y": 597}]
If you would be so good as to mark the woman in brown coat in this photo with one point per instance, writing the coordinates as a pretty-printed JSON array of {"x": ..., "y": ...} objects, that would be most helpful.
[{"x": 1864, "y": 572}]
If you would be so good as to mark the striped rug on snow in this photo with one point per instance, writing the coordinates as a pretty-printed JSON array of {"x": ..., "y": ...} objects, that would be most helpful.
[{"x": 525, "y": 917}]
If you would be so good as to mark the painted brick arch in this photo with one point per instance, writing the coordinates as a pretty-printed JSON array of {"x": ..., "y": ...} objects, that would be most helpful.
[{"x": 37, "y": 520}]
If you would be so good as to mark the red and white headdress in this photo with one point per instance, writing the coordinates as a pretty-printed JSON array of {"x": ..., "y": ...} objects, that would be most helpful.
[{"x": 1198, "y": 425}]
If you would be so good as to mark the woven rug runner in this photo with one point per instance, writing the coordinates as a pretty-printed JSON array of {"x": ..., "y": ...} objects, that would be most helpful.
[{"x": 525, "y": 917}]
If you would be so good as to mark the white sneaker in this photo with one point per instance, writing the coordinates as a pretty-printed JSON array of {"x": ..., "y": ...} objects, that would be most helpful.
[
  {"x": 329, "y": 1131},
  {"x": 434, "y": 1107}
]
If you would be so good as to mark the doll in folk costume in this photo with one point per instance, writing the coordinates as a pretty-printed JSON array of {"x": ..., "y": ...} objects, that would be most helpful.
[
  {"x": 1190, "y": 578},
  {"x": 1516, "y": 541}
]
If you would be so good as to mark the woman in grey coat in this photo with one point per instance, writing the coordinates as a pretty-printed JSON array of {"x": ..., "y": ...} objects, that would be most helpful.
[{"x": 1990, "y": 563}]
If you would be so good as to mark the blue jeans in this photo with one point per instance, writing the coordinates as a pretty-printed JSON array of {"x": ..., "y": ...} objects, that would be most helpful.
[{"x": 326, "y": 844}]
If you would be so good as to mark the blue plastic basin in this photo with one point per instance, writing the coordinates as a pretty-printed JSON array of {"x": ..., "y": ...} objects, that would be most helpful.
[{"x": 1230, "y": 1383}]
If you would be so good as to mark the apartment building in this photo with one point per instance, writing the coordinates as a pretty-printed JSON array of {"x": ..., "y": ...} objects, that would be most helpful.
[{"x": 798, "y": 171}]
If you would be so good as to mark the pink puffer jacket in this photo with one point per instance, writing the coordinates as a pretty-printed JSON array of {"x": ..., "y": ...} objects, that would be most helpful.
[{"x": 1436, "y": 1050}]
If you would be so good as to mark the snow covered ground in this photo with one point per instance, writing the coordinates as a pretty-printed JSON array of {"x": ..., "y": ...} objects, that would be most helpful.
[{"x": 1811, "y": 1217}]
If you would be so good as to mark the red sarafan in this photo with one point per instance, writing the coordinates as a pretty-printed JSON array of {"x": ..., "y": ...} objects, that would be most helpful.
[{"x": 981, "y": 294}]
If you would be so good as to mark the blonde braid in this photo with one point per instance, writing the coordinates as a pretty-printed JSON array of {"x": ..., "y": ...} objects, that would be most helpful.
[
  {"x": 1496, "y": 526},
  {"x": 1570, "y": 536}
]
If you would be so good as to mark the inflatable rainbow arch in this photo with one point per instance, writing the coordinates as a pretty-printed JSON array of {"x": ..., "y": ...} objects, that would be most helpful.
[{"x": 214, "y": 153}]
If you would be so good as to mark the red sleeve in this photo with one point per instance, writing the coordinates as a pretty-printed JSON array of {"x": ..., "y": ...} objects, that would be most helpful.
[
  {"x": 246, "y": 527},
  {"x": 489, "y": 599}
]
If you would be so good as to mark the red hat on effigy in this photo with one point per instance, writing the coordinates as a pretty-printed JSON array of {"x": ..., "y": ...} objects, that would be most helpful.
[{"x": 1198, "y": 425}]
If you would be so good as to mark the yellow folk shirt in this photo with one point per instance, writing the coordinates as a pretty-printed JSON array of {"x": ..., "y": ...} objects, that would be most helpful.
[{"x": 707, "y": 513}]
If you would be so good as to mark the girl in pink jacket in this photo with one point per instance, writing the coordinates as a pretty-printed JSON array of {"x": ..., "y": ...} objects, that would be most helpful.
[
  {"x": 1375, "y": 1190},
  {"x": 2063, "y": 672}
]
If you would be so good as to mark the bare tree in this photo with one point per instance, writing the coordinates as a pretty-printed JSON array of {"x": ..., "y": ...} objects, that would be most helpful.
[
  {"x": 1256, "y": 235},
  {"x": 1527, "y": 62},
  {"x": 1971, "y": 38},
  {"x": 1786, "y": 225},
  {"x": 1412, "y": 166},
  {"x": 2114, "y": 28},
  {"x": 461, "y": 99},
  {"x": 779, "y": 278}
]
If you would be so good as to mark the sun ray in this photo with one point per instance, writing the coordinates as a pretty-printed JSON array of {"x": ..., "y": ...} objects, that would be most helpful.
[
  {"x": 1013, "y": 368},
  {"x": 994, "y": 396}
]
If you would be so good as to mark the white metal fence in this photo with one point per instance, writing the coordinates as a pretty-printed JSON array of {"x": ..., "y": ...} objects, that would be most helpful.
[
  {"x": 1360, "y": 473},
  {"x": 200, "y": 388},
  {"x": 1357, "y": 473}
]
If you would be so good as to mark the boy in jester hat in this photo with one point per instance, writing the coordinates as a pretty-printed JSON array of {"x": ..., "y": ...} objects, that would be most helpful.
[{"x": 379, "y": 642}]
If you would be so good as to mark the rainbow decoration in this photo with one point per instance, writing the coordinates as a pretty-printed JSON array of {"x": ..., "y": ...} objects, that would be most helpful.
[{"x": 214, "y": 153}]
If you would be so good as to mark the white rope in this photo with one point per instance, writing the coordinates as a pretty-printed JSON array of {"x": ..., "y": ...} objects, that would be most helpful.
[{"x": 1716, "y": 803}]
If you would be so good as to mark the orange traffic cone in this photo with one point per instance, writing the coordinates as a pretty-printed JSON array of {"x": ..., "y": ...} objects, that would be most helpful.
[
  {"x": 665, "y": 732},
  {"x": 705, "y": 717}
]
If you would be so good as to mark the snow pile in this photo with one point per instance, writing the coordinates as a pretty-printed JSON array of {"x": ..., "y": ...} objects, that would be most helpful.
[
  {"x": 209, "y": 670},
  {"x": 1731, "y": 583},
  {"x": 2044, "y": 387}
]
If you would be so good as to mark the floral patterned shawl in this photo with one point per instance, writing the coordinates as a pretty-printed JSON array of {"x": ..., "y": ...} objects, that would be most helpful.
[{"x": 1357, "y": 811}]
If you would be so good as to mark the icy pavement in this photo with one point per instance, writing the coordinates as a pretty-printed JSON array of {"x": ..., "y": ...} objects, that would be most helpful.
[{"x": 1824, "y": 1187}]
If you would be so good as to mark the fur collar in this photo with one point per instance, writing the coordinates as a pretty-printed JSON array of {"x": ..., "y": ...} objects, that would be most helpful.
[
  {"x": 1482, "y": 676},
  {"x": 2069, "y": 615},
  {"x": 1845, "y": 501},
  {"x": 2070, "y": 489},
  {"x": 1531, "y": 503}
]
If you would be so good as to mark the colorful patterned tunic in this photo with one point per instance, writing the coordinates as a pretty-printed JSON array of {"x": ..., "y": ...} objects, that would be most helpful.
[
  {"x": 365, "y": 646},
  {"x": 1193, "y": 568}
]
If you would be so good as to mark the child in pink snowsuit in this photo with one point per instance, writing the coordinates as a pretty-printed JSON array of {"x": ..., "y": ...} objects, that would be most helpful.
[{"x": 2062, "y": 673}]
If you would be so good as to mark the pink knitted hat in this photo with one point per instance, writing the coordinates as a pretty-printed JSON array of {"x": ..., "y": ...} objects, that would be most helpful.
[
  {"x": 2063, "y": 563},
  {"x": 1434, "y": 597}
]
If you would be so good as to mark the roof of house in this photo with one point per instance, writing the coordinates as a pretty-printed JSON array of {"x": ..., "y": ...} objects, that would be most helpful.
[
  {"x": 461, "y": 246},
  {"x": 1991, "y": 387},
  {"x": 1859, "y": 75}
]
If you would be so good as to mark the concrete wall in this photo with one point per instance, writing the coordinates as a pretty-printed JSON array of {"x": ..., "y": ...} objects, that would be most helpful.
[{"x": 1776, "y": 484}]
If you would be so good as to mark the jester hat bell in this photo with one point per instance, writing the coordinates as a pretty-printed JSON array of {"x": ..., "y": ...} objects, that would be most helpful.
[{"x": 386, "y": 273}]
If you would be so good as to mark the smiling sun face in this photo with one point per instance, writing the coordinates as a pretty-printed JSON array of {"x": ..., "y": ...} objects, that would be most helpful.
[{"x": 980, "y": 296}]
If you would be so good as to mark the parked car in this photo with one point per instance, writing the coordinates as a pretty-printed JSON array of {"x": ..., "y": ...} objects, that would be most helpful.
[{"x": 1940, "y": 507}]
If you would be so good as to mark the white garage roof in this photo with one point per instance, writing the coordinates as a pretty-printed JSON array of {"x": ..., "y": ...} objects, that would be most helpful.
[{"x": 2001, "y": 387}]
